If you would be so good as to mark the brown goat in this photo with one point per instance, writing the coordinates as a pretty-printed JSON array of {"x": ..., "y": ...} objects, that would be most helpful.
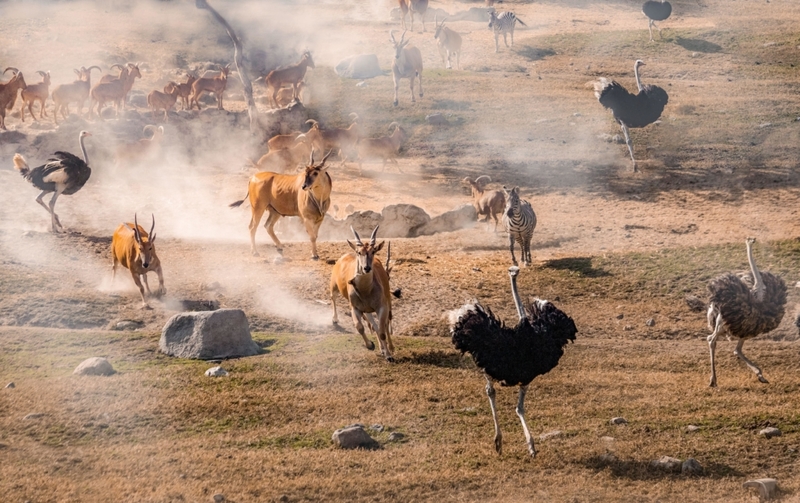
[
  {"x": 342, "y": 140},
  {"x": 306, "y": 195},
  {"x": 8, "y": 93},
  {"x": 384, "y": 147},
  {"x": 115, "y": 90},
  {"x": 407, "y": 64},
  {"x": 142, "y": 150},
  {"x": 33, "y": 93},
  {"x": 486, "y": 202},
  {"x": 184, "y": 91},
  {"x": 286, "y": 95},
  {"x": 283, "y": 160},
  {"x": 283, "y": 141},
  {"x": 157, "y": 100},
  {"x": 214, "y": 85},
  {"x": 361, "y": 279},
  {"x": 135, "y": 249},
  {"x": 77, "y": 91},
  {"x": 293, "y": 74}
]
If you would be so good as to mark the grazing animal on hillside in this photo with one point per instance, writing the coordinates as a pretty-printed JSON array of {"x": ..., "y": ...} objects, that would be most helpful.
[
  {"x": 512, "y": 357},
  {"x": 743, "y": 307},
  {"x": 502, "y": 24},
  {"x": 215, "y": 85},
  {"x": 407, "y": 64},
  {"x": 486, "y": 202},
  {"x": 306, "y": 195},
  {"x": 63, "y": 173},
  {"x": 385, "y": 148},
  {"x": 77, "y": 91},
  {"x": 341, "y": 140},
  {"x": 157, "y": 100},
  {"x": 631, "y": 111},
  {"x": 449, "y": 43},
  {"x": 656, "y": 10},
  {"x": 293, "y": 75},
  {"x": 135, "y": 249},
  {"x": 8, "y": 93},
  {"x": 184, "y": 90},
  {"x": 33, "y": 93},
  {"x": 360, "y": 278},
  {"x": 519, "y": 221}
]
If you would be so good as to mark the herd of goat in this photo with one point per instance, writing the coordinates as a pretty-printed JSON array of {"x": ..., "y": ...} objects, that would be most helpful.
[{"x": 510, "y": 356}]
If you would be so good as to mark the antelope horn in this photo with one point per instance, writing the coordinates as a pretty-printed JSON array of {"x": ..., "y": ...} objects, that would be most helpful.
[
  {"x": 89, "y": 70},
  {"x": 12, "y": 69},
  {"x": 391, "y": 34},
  {"x": 326, "y": 157},
  {"x": 43, "y": 74},
  {"x": 358, "y": 238},
  {"x": 311, "y": 160},
  {"x": 148, "y": 126},
  {"x": 403, "y": 36},
  {"x": 117, "y": 64},
  {"x": 152, "y": 227},
  {"x": 395, "y": 124},
  {"x": 136, "y": 229},
  {"x": 374, "y": 235}
]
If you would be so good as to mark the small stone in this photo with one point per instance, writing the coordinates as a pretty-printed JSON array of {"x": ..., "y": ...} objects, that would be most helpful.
[
  {"x": 691, "y": 467},
  {"x": 353, "y": 437},
  {"x": 216, "y": 372},
  {"x": 11, "y": 385},
  {"x": 692, "y": 428},
  {"x": 667, "y": 463},
  {"x": 396, "y": 436},
  {"x": 766, "y": 487},
  {"x": 627, "y": 328},
  {"x": 377, "y": 427},
  {"x": 33, "y": 415},
  {"x": 618, "y": 420},
  {"x": 550, "y": 434},
  {"x": 770, "y": 432},
  {"x": 764, "y": 124},
  {"x": 361, "y": 84},
  {"x": 128, "y": 325},
  {"x": 219, "y": 498},
  {"x": 650, "y": 322},
  {"x": 95, "y": 366},
  {"x": 620, "y": 316},
  {"x": 284, "y": 498},
  {"x": 608, "y": 458},
  {"x": 607, "y": 439}
]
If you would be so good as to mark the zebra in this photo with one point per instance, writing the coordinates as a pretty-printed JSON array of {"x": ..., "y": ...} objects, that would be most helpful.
[
  {"x": 519, "y": 221},
  {"x": 501, "y": 24}
]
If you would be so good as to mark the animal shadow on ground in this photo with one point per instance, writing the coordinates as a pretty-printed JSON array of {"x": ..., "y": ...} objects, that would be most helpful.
[
  {"x": 534, "y": 54},
  {"x": 447, "y": 104},
  {"x": 642, "y": 470},
  {"x": 581, "y": 265},
  {"x": 435, "y": 358},
  {"x": 698, "y": 45}
]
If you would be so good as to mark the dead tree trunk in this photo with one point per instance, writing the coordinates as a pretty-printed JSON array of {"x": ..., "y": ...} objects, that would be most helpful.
[{"x": 237, "y": 58}]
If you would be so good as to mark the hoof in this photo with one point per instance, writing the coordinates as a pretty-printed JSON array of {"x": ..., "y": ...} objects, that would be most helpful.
[
  {"x": 761, "y": 379},
  {"x": 314, "y": 257},
  {"x": 146, "y": 307},
  {"x": 370, "y": 346},
  {"x": 254, "y": 253},
  {"x": 712, "y": 384},
  {"x": 498, "y": 445},
  {"x": 420, "y": 95},
  {"x": 335, "y": 322},
  {"x": 390, "y": 359},
  {"x": 395, "y": 103}
]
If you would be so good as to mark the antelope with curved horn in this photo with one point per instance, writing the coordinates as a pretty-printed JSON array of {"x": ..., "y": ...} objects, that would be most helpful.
[
  {"x": 8, "y": 93},
  {"x": 77, "y": 91},
  {"x": 33, "y": 93},
  {"x": 449, "y": 43},
  {"x": 360, "y": 278},
  {"x": 407, "y": 64},
  {"x": 135, "y": 249}
]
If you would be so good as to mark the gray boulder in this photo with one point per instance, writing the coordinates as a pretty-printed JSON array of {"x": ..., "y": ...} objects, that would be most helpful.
[
  {"x": 208, "y": 335},
  {"x": 477, "y": 14},
  {"x": 691, "y": 467},
  {"x": 667, "y": 463},
  {"x": 361, "y": 66},
  {"x": 402, "y": 220},
  {"x": 453, "y": 220},
  {"x": 354, "y": 437},
  {"x": 95, "y": 366}
]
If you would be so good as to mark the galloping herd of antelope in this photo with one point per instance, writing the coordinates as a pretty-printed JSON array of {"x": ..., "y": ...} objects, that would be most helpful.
[{"x": 739, "y": 307}]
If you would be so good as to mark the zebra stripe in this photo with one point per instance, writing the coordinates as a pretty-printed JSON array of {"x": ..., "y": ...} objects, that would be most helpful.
[
  {"x": 519, "y": 220},
  {"x": 501, "y": 24}
]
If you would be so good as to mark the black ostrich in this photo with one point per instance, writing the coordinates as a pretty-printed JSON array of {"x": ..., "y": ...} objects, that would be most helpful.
[
  {"x": 656, "y": 10},
  {"x": 512, "y": 356},
  {"x": 631, "y": 110},
  {"x": 744, "y": 307},
  {"x": 64, "y": 173}
]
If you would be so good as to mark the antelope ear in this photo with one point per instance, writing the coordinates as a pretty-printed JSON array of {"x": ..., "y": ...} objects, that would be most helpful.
[
  {"x": 351, "y": 245},
  {"x": 380, "y": 246}
]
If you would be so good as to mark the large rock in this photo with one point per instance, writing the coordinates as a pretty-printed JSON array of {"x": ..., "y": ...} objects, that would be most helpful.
[
  {"x": 208, "y": 335},
  {"x": 453, "y": 220},
  {"x": 354, "y": 437},
  {"x": 477, "y": 14},
  {"x": 95, "y": 366},
  {"x": 361, "y": 66},
  {"x": 401, "y": 220}
]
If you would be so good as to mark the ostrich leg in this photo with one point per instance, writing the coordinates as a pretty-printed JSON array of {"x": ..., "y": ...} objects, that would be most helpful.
[
  {"x": 521, "y": 413},
  {"x": 750, "y": 365},
  {"x": 54, "y": 222},
  {"x": 629, "y": 143},
  {"x": 712, "y": 346},
  {"x": 650, "y": 26},
  {"x": 498, "y": 437}
]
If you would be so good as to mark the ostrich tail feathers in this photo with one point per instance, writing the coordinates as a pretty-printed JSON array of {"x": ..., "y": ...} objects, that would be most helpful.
[
  {"x": 20, "y": 165},
  {"x": 560, "y": 327}
]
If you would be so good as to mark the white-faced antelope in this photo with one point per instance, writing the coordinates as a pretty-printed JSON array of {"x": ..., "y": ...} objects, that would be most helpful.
[
  {"x": 135, "y": 249},
  {"x": 360, "y": 278},
  {"x": 449, "y": 43},
  {"x": 407, "y": 64}
]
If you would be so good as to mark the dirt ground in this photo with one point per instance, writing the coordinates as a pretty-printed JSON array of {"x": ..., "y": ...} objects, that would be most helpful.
[{"x": 613, "y": 248}]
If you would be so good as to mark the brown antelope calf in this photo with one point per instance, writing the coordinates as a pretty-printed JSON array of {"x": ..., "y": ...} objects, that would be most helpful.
[
  {"x": 135, "y": 249},
  {"x": 384, "y": 147},
  {"x": 449, "y": 43},
  {"x": 184, "y": 91},
  {"x": 33, "y": 93},
  {"x": 486, "y": 202},
  {"x": 407, "y": 64},
  {"x": 341, "y": 140},
  {"x": 290, "y": 75},
  {"x": 157, "y": 100},
  {"x": 214, "y": 85},
  {"x": 306, "y": 195},
  {"x": 77, "y": 91},
  {"x": 283, "y": 141},
  {"x": 361, "y": 279}
]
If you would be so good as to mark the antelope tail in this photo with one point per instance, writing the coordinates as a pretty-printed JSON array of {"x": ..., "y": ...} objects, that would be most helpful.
[
  {"x": 238, "y": 203},
  {"x": 21, "y": 165}
]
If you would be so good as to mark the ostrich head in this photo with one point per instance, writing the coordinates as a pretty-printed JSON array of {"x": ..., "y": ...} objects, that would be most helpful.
[{"x": 365, "y": 253}]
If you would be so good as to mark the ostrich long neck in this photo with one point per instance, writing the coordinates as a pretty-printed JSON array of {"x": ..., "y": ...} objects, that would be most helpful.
[
  {"x": 83, "y": 149},
  {"x": 517, "y": 300},
  {"x": 758, "y": 283},
  {"x": 636, "y": 73}
]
